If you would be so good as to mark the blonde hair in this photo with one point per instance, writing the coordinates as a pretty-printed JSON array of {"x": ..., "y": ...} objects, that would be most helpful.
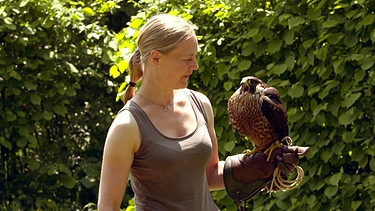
[{"x": 162, "y": 32}]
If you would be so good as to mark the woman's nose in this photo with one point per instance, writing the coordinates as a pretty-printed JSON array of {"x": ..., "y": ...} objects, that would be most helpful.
[{"x": 195, "y": 65}]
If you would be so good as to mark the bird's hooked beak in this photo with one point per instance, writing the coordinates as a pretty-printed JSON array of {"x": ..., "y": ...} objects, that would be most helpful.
[
  {"x": 244, "y": 89},
  {"x": 250, "y": 86}
]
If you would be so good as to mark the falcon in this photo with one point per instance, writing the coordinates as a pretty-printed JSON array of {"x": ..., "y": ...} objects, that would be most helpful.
[{"x": 257, "y": 112}]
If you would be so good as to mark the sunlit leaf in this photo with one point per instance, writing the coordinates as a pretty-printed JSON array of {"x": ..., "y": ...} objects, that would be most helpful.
[
  {"x": 23, "y": 3},
  {"x": 72, "y": 67},
  {"x": 113, "y": 71},
  {"x": 87, "y": 11},
  {"x": 122, "y": 66}
]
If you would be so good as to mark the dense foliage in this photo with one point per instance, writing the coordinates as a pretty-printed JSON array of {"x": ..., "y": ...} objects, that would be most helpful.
[
  {"x": 320, "y": 55},
  {"x": 56, "y": 102},
  {"x": 57, "y": 98}
]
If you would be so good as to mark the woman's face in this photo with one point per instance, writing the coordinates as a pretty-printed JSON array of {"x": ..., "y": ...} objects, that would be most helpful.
[{"x": 177, "y": 65}]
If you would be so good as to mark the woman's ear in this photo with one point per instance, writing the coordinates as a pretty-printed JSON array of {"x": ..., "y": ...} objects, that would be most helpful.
[{"x": 155, "y": 56}]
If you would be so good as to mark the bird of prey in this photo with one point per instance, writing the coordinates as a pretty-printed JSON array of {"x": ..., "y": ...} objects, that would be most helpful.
[{"x": 256, "y": 111}]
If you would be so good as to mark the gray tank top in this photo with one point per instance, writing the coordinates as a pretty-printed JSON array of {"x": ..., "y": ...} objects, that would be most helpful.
[{"x": 170, "y": 173}]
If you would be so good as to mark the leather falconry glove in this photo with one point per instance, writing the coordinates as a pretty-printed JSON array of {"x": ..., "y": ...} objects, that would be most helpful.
[{"x": 244, "y": 179}]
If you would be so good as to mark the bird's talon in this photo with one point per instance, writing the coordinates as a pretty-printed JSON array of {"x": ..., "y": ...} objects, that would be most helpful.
[
  {"x": 270, "y": 149},
  {"x": 247, "y": 153}
]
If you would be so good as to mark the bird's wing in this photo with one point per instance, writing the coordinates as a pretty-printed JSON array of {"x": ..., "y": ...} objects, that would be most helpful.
[{"x": 275, "y": 113}]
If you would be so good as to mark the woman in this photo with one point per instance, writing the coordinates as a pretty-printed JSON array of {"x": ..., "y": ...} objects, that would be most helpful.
[{"x": 164, "y": 136}]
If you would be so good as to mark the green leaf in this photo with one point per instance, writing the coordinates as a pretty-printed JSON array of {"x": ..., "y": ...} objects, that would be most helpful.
[
  {"x": 244, "y": 65},
  {"x": 274, "y": 46},
  {"x": 122, "y": 66},
  {"x": 346, "y": 118},
  {"x": 368, "y": 19},
  {"x": 295, "y": 91},
  {"x": 373, "y": 36},
  {"x": 10, "y": 116},
  {"x": 68, "y": 181},
  {"x": 252, "y": 32},
  {"x": 247, "y": 48},
  {"x": 9, "y": 23},
  {"x": 87, "y": 183},
  {"x": 357, "y": 154},
  {"x": 113, "y": 71},
  {"x": 335, "y": 38},
  {"x": 228, "y": 85},
  {"x": 72, "y": 68},
  {"x": 296, "y": 21},
  {"x": 222, "y": 69},
  {"x": 313, "y": 89},
  {"x": 279, "y": 69},
  {"x": 289, "y": 37},
  {"x": 260, "y": 49},
  {"x": 70, "y": 91},
  {"x": 350, "y": 40},
  {"x": 338, "y": 66},
  {"x": 326, "y": 155},
  {"x": 33, "y": 165},
  {"x": 330, "y": 191},
  {"x": 31, "y": 139},
  {"x": 30, "y": 85},
  {"x": 335, "y": 179},
  {"x": 35, "y": 99},
  {"x": 60, "y": 109},
  {"x": 367, "y": 63},
  {"x": 372, "y": 163},
  {"x": 229, "y": 146},
  {"x": 355, "y": 204},
  {"x": 21, "y": 142},
  {"x": 330, "y": 23},
  {"x": 5, "y": 143},
  {"x": 87, "y": 11},
  {"x": 351, "y": 99},
  {"x": 338, "y": 147},
  {"x": 294, "y": 115},
  {"x": 23, "y": 3},
  {"x": 290, "y": 61}
]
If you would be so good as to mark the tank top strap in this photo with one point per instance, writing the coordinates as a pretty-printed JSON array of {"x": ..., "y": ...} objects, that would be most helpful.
[{"x": 197, "y": 102}]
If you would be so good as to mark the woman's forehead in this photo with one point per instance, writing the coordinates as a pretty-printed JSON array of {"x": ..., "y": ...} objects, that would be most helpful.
[{"x": 187, "y": 47}]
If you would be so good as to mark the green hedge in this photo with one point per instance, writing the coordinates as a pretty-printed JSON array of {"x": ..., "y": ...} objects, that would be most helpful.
[
  {"x": 57, "y": 98},
  {"x": 320, "y": 55},
  {"x": 56, "y": 102}
]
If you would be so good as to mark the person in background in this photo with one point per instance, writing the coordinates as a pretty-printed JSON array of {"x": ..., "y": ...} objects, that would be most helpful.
[{"x": 164, "y": 136}]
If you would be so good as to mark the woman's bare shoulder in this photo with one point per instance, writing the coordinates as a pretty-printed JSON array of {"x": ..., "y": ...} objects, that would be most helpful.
[{"x": 124, "y": 131}]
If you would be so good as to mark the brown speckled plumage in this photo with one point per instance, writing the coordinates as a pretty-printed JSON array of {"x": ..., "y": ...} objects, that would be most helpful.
[{"x": 256, "y": 111}]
